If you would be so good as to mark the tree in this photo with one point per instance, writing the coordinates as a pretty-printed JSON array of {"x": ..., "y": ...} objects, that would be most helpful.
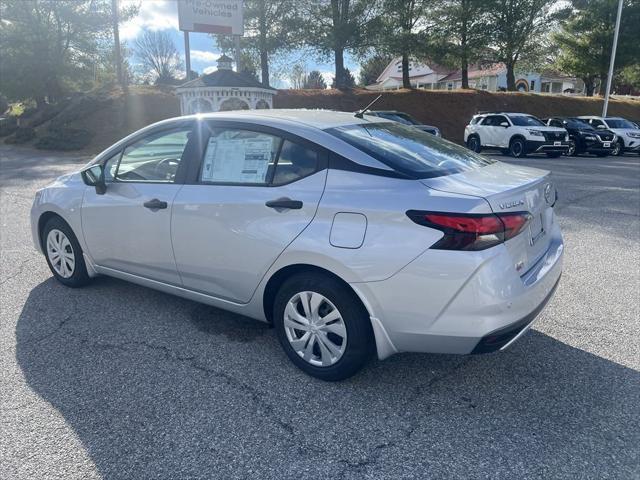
[
  {"x": 517, "y": 27},
  {"x": 463, "y": 36},
  {"x": 349, "y": 81},
  {"x": 297, "y": 76},
  {"x": 372, "y": 67},
  {"x": 270, "y": 27},
  {"x": 333, "y": 27},
  {"x": 314, "y": 81},
  {"x": 586, "y": 37},
  {"x": 51, "y": 46},
  {"x": 405, "y": 30},
  {"x": 158, "y": 56}
]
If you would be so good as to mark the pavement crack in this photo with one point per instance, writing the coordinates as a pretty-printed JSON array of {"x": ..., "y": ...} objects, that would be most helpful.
[
  {"x": 262, "y": 407},
  {"x": 18, "y": 271}
]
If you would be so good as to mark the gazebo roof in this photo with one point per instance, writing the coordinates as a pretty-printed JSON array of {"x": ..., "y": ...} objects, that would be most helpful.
[{"x": 224, "y": 78}]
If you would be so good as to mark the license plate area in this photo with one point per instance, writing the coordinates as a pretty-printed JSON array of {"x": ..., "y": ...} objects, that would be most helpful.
[
  {"x": 606, "y": 144},
  {"x": 557, "y": 144},
  {"x": 536, "y": 229}
]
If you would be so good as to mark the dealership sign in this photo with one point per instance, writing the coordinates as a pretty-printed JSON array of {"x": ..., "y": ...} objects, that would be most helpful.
[{"x": 211, "y": 16}]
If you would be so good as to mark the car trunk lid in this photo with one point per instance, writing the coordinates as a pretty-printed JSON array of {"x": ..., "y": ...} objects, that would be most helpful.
[{"x": 508, "y": 188}]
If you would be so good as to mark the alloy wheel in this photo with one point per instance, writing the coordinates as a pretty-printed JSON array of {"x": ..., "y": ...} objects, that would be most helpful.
[
  {"x": 517, "y": 149},
  {"x": 616, "y": 149},
  {"x": 572, "y": 149},
  {"x": 60, "y": 253},
  {"x": 315, "y": 329}
]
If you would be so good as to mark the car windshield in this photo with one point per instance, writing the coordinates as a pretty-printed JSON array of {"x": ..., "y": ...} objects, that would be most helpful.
[
  {"x": 410, "y": 151},
  {"x": 578, "y": 123},
  {"x": 525, "y": 121},
  {"x": 398, "y": 117},
  {"x": 619, "y": 123}
]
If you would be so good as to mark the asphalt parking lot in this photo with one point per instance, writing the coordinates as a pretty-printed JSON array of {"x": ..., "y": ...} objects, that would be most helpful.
[{"x": 119, "y": 381}]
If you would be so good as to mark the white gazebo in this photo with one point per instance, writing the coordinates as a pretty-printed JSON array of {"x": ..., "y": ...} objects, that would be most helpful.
[{"x": 223, "y": 90}]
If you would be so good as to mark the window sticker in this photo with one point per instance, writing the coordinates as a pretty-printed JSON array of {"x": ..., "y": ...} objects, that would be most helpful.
[{"x": 238, "y": 160}]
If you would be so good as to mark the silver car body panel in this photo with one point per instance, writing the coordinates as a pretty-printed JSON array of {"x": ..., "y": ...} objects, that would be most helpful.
[{"x": 220, "y": 245}]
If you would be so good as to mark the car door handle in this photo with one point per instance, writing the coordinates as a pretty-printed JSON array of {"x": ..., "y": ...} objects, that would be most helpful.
[
  {"x": 155, "y": 204},
  {"x": 284, "y": 202}
]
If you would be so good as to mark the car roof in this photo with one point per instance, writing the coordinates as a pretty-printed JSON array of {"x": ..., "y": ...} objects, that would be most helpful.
[{"x": 321, "y": 119}]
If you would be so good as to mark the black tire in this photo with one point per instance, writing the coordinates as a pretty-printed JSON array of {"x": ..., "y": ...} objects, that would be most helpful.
[
  {"x": 517, "y": 148},
  {"x": 473, "y": 143},
  {"x": 619, "y": 150},
  {"x": 79, "y": 277},
  {"x": 360, "y": 342},
  {"x": 553, "y": 154},
  {"x": 572, "y": 150}
]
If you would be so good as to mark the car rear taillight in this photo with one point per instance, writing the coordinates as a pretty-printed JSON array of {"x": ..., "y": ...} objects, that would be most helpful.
[{"x": 466, "y": 231}]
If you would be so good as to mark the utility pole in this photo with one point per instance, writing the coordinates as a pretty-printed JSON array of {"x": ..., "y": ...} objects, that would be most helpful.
[
  {"x": 116, "y": 39},
  {"x": 187, "y": 55},
  {"x": 613, "y": 60}
]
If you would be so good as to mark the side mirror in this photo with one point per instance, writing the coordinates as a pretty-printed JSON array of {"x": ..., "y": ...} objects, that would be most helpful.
[
  {"x": 504, "y": 124},
  {"x": 94, "y": 177}
]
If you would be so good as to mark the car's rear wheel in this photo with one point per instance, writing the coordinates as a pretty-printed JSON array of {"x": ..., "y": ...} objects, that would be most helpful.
[
  {"x": 322, "y": 326},
  {"x": 64, "y": 254},
  {"x": 516, "y": 148},
  {"x": 473, "y": 143}
]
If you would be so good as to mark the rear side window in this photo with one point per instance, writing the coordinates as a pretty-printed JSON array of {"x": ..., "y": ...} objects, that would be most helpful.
[
  {"x": 239, "y": 156},
  {"x": 295, "y": 162},
  {"x": 408, "y": 150}
]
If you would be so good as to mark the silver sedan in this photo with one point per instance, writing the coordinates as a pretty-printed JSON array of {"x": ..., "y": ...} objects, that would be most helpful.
[{"x": 352, "y": 235}]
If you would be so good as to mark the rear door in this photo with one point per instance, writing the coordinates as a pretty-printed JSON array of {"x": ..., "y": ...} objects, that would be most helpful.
[
  {"x": 489, "y": 132},
  {"x": 254, "y": 190}
]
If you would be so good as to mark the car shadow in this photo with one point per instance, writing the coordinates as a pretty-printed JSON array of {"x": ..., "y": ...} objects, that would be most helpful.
[{"x": 157, "y": 386}]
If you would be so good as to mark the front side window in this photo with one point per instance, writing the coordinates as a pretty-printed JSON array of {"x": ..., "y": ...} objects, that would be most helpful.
[
  {"x": 409, "y": 150},
  {"x": 154, "y": 158},
  {"x": 526, "y": 121},
  {"x": 110, "y": 166},
  {"x": 239, "y": 156}
]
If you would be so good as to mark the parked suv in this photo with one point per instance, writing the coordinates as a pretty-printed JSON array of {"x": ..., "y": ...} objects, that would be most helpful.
[
  {"x": 516, "y": 134},
  {"x": 627, "y": 132},
  {"x": 405, "y": 119},
  {"x": 584, "y": 138}
]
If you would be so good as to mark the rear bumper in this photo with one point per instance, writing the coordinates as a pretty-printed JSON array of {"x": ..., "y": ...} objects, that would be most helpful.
[
  {"x": 453, "y": 302},
  {"x": 502, "y": 338}
]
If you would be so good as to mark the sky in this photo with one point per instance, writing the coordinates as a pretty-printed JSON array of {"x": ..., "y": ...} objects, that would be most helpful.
[{"x": 163, "y": 15}]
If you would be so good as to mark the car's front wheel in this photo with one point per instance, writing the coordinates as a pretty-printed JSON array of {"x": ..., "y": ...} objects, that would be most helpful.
[
  {"x": 517, "y": 148},
  {"x": 322, "y": 326},
  {"x": 64, "y": 254},
  {"x": 618, "y": 148},
  {"x": 571, "y": 151}
]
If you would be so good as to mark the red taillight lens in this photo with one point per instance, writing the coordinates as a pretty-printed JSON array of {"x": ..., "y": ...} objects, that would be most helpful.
[{"x": 471, "y": 231}]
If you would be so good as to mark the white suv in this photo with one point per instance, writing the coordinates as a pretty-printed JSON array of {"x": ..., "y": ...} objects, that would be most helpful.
[
  {"x": 516, "y": 134},
  {"x": 628, "y": 133}
]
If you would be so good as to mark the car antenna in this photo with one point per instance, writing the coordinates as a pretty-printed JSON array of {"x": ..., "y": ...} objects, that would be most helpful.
[{"x": 360, "y": 113}]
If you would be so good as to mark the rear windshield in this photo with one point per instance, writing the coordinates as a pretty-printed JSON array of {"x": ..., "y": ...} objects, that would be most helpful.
[
  {"x": 398, "y": 117},
  {"x": 619, "y": 123},
  {"x": 410, "y": 151},
  {"x": 578, "y": 123},
  {"x": 526, "y": 121}
]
